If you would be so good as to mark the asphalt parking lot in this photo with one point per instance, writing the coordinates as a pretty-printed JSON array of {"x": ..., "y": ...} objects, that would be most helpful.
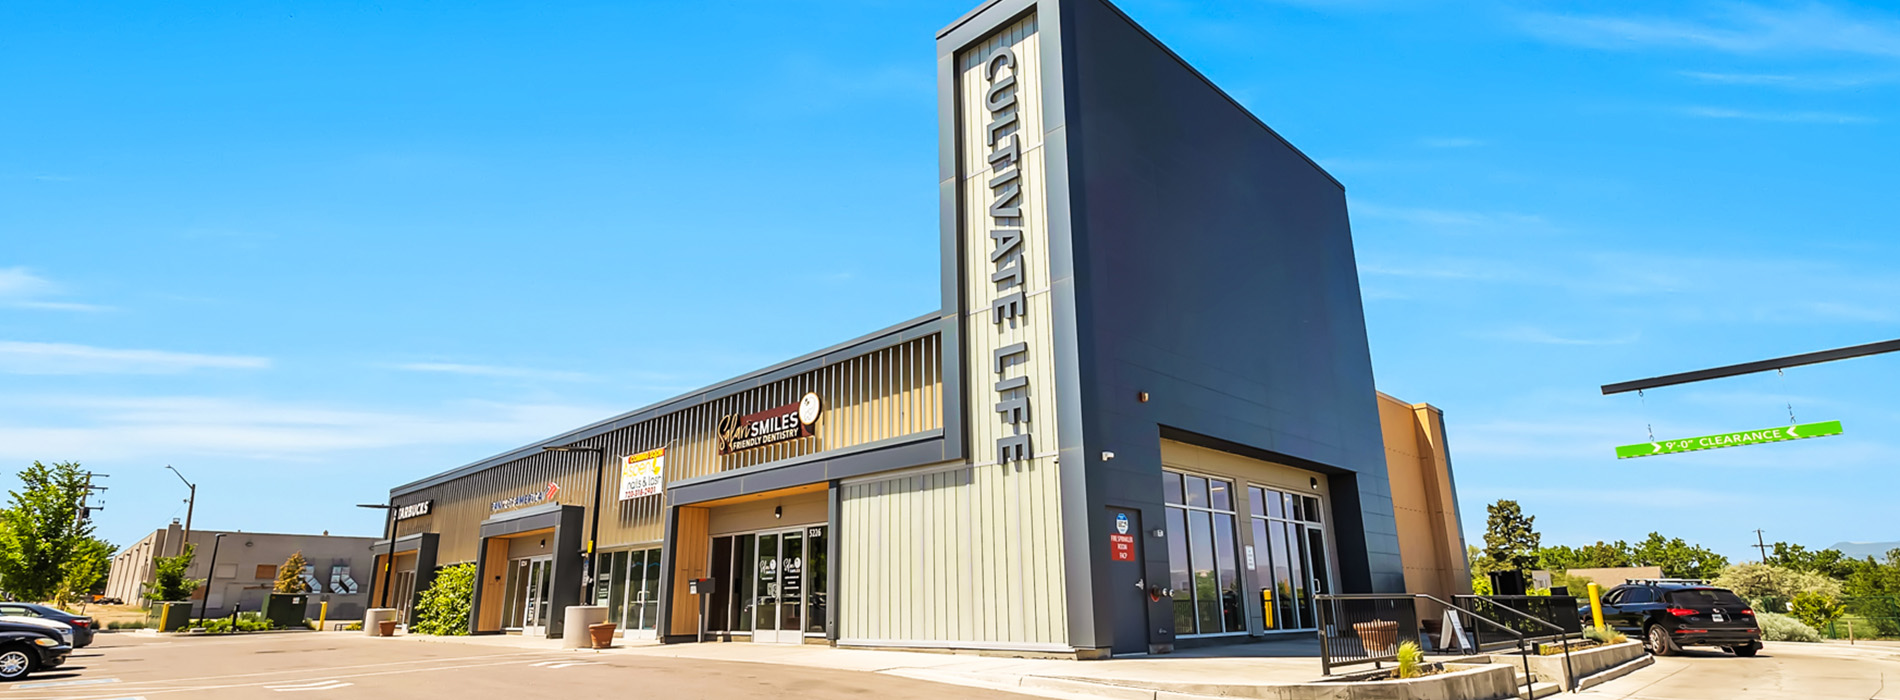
[
  {"x": 1782, "y": 671},
  {"x": 126, "y": 666}
]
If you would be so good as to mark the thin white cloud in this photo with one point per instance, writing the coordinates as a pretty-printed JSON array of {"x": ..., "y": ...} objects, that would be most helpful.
[
  {"x": 1795, "y": 82},
  {"x": 1451, "y": 217},
  {"x": 160, "y": 428},
  {"x": 494, "y": 371},
  {"x": 1742, "y": 28},
  {"x": 1450, "y": 143},
  {"x": 20, "y": 288},
  {"x": 1531, "y": 334},
  {"x": 1785, "y": 117},
  {"x": 18, "y": 357}
]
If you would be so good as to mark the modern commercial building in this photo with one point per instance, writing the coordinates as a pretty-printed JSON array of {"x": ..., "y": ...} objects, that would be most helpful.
[
  {"x": 247, "y": 568},
  {"x": 1143, "y": 416}
]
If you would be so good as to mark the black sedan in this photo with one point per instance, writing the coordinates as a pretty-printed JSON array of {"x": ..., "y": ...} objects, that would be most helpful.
[
  {"x": 82, "y": 625},
  {"x": 23, "y": 653}
]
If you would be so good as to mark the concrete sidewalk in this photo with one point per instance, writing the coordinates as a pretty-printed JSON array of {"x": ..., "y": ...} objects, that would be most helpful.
[{"x": 1242, "y": 670}]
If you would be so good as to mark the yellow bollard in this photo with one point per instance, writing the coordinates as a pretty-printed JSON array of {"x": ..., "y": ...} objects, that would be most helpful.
[
  {"x": 323, "y": 615},
  {"x": 1596, "y": 606}
]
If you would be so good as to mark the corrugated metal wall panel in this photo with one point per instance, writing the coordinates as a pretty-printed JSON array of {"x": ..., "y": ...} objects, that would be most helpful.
[
  {"x": 866, "y": 398},
  {"x": 996, "y": 528}
]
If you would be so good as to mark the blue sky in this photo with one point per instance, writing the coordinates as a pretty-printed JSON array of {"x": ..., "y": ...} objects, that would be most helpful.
[{"x": 306, "y": 251}]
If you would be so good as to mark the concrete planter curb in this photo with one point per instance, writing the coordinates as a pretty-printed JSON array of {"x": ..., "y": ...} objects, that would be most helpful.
[
  {"x": 1615, "y": 672},
  {"x": 1456, "y": 682},
  {"x": 1585, "y": 663}
]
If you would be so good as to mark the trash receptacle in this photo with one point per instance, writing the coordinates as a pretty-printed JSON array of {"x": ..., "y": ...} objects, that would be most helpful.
[
  {"x": 286, "y": 610},
  {"x": 574, "y": 633}
]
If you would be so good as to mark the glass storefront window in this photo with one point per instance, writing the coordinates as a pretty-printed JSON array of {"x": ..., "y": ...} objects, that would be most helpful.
[
  {"x": 1196, "y": 491},
  {"x": 817, "y": 575},
  {"x": 1291, "y": 563},
  {"x": 1203, "y": 561}
]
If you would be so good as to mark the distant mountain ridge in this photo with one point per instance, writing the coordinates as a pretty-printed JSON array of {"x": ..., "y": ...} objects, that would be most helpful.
[{"x": 1861, "y": 550}]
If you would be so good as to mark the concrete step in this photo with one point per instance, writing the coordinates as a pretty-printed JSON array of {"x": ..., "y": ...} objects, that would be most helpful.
[{"x": 1538, "y": 690}]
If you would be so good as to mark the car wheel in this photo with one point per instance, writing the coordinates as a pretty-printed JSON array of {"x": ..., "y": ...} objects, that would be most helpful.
[
  {"x": 1659, "y": 642},
  {"x": 1745, "y": 650},
  {"x": 15, "y": 664}
]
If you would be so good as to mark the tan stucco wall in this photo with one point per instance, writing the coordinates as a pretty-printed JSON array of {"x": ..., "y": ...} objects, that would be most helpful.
[{"x": 1424, "y": 500}]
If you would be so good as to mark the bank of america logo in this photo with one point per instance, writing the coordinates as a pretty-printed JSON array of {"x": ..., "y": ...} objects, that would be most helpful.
[{"x": 554, "y": 489}]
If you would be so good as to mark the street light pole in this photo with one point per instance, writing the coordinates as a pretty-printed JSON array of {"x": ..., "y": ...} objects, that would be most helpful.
[
  {"x": 592, "y": 561},
  {"x": 190, "y": 504},
  {"x": 389, "y": 560},
  {"x": 205, "y": 605}
]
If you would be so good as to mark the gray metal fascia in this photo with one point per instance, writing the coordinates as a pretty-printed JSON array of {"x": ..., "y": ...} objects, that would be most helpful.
[
  {"x": 862, "y": 345},
  {"x": 924, "y": 436},
  {"x": 1078, "y": 581}
]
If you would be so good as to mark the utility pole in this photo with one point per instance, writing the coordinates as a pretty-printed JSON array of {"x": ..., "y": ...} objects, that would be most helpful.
[
  {"x": 1763, "y": 546},
  {"x": 190, "y": 504},
  {"x": 85, "y": 513}
]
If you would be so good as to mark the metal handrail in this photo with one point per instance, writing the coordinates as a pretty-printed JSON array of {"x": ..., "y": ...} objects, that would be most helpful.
[
  {"x": 1570, "y": 673},
  {"x": 1384, "y": 596}
]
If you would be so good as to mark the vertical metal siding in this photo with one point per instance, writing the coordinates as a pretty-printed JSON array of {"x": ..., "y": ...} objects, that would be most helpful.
[
  {"x": 865, "y": 399},
  {"x": 972, "y": 555}
]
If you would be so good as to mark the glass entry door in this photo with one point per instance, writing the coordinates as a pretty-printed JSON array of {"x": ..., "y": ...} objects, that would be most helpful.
[
  {"x": 777, "y": 584},
  {"x": 528, "y": 596},
  {"x": 629, "y": 586},
  {"x": 1291, "y": 560}
]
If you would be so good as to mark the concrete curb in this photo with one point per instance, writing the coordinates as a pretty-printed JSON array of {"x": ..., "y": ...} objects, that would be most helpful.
[{"x": 1615, "y": 672}]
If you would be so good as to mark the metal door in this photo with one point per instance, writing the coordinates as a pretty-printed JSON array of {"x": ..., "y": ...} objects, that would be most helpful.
[{"x": 1128, "y": 583}]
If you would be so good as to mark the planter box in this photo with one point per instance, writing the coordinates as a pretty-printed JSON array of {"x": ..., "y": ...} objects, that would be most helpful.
[{"x": 1587, "y": 662}]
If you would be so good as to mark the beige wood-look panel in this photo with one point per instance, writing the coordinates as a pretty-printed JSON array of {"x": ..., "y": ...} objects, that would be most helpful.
[
  {"x": 494, "y": 586},
  {"x": 692, "y": 543},
  {"x": 866, "y": 398}
]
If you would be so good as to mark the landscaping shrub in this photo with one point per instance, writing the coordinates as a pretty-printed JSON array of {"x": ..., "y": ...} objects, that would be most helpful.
[
  {"x": 1411, "y": 660},
  {"x": 1781, "y": 628},
  {"x": 443, "y": 609},
  {"x": 1815, "y": 610},
  {"x": 223, "y": 625},
  {"x": 1604, "y": 635}
]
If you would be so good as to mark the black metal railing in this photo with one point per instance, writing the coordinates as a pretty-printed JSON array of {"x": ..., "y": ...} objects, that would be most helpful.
[
  {"x": 1535, "y": 618},
  {"x": 1538, "y": 617},
  {"x": 1368, "y": 628},
  {"x": 1358, "y": 629}
]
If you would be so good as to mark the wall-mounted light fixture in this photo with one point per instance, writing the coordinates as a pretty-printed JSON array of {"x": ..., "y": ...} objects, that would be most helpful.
[
  {"x": 1313, "y": 481},
  {"x": 1141, "y": 396},
  {"x": 1106, "y": 455},
  {"x": 778, "y": 512},
  {"x": 1158, "y": 532}
]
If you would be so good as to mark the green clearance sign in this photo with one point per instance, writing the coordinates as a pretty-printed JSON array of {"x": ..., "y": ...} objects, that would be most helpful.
[{"x": 1746, "y": 437}]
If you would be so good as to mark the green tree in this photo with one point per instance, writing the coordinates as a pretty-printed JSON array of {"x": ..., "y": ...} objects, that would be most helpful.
[
  {"x": 1873, "y": 591},
  {"x": 1772, "y": 588},
  {"x": 86, "y": 572},
  {"x": 444, "y": 608},
  {"x": 1827, "y": 562},
  {"x": 1678, "y": 559},
  {"x": 1510, "y": 537},
  {"x": 168, "y": 577},
  {"x": 1815, "y": 609},
  {"x": 1590, "y": 556},
  {"x": 290, "y": 575},
  {"x": 42, "y": 533}
]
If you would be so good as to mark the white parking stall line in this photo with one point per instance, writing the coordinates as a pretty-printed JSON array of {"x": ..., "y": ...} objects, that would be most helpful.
[
  {"x": 57, "y": 684},
  {"x": 571, "y": 664},
  {"x": 312, "y": 685}
]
